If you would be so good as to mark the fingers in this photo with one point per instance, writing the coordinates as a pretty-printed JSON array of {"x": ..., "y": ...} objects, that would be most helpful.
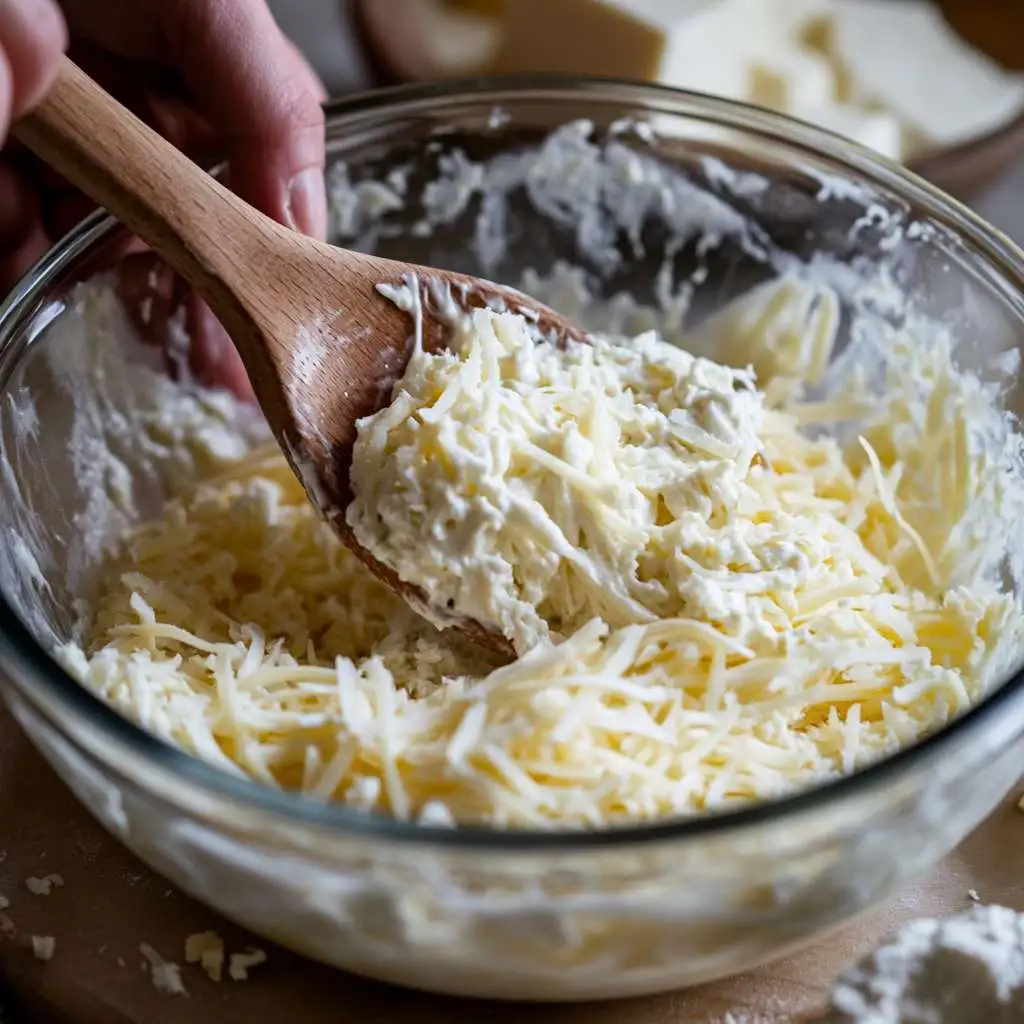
[
  {"x": 256, "y": 95},
  {"x": 166, "y": 313},
  {"x": 152, "y": 93},
  {"x": 163, "y": 309},
  {"x": 212, "y": 357},
  {"x": 264, "y": 100},
  {"x": 22, "y": 237},
  {"x": 301, "y": 67},
  {"x": 32, "y": 38}
]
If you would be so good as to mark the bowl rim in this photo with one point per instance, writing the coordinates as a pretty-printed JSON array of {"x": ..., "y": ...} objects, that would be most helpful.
[{"x": 29, "y": 660}]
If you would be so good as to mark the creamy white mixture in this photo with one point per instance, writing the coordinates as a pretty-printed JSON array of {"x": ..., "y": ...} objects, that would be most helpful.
[{"x": 711, "y": 604}]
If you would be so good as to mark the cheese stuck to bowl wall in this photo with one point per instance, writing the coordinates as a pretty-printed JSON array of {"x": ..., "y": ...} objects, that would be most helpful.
[{"x": 891, "y": 76}]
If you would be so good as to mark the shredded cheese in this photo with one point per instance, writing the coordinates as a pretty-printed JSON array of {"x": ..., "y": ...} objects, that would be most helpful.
[{"x": 712, "y": 603}]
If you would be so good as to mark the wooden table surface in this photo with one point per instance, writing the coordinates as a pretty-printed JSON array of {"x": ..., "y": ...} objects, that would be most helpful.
[{"x": 111, "y": 903}]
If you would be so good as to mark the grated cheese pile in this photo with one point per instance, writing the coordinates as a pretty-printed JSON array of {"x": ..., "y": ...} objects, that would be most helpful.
[{"x": 712, "y": 603}]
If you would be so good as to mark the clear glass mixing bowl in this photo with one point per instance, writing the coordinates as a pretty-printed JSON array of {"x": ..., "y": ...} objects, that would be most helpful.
[{"x": 533, "y": 915}]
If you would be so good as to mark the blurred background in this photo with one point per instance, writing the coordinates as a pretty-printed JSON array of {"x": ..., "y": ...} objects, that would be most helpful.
[{"x": 935, "y": 84}]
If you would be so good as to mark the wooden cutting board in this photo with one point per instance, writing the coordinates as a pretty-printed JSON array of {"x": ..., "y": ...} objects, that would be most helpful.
[{"x": 111, "y": 903}]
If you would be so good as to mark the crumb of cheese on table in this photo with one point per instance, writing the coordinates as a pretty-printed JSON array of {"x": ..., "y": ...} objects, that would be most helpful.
[
  {"x": 43, "y": 946},
  {"x": 207, "y": 950},
  {"x": 714, "y": 603},
  {"x": 240, "y": 964},
  {"x": 45, "y": 885},
  {"x": 165, "y": 975}
]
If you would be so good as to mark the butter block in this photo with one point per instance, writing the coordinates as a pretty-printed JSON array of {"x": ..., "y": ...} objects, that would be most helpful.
[
  {"x": 905, "y": 58},
  {"x": 790, "y": 79},
  {"x": 623, "y": 38}
]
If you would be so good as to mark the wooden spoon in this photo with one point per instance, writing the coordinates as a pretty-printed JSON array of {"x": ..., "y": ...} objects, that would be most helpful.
[{"x": 321, "y": 346}]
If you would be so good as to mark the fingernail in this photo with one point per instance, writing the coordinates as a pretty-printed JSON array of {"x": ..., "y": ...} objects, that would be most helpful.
[{"x": 307, "y": 203}]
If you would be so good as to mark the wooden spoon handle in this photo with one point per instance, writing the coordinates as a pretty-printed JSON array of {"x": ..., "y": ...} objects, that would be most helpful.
[{"x": 204, "y": 231}]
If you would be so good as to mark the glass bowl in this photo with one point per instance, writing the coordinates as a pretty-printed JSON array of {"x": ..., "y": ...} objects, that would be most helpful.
[{"x": 723, "y": 197}]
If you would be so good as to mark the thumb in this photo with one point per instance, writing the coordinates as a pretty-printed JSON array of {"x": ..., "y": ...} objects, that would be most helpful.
[
  {"x": 32, "y": 38},
  {"x": 247, "y": 80}
]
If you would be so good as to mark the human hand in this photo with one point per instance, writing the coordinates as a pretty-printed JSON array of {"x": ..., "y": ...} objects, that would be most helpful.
[
  {"x": 33, "y": 36},
  {"x": 211, "y": 76}
]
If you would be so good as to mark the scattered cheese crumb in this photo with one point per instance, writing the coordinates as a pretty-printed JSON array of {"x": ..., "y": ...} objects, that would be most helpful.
[
  {"x": 166, "y": 975},
  {"x": 972, "y": 895},
  {"x": 6, "y": 925},
  {"x": 207, "y": 950},
  {"x": 120, "y": 961},
  {"x": 43, "y": 886},
  {"x": 43, "y": 946},
  {"x": 238, "y": 967}
]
